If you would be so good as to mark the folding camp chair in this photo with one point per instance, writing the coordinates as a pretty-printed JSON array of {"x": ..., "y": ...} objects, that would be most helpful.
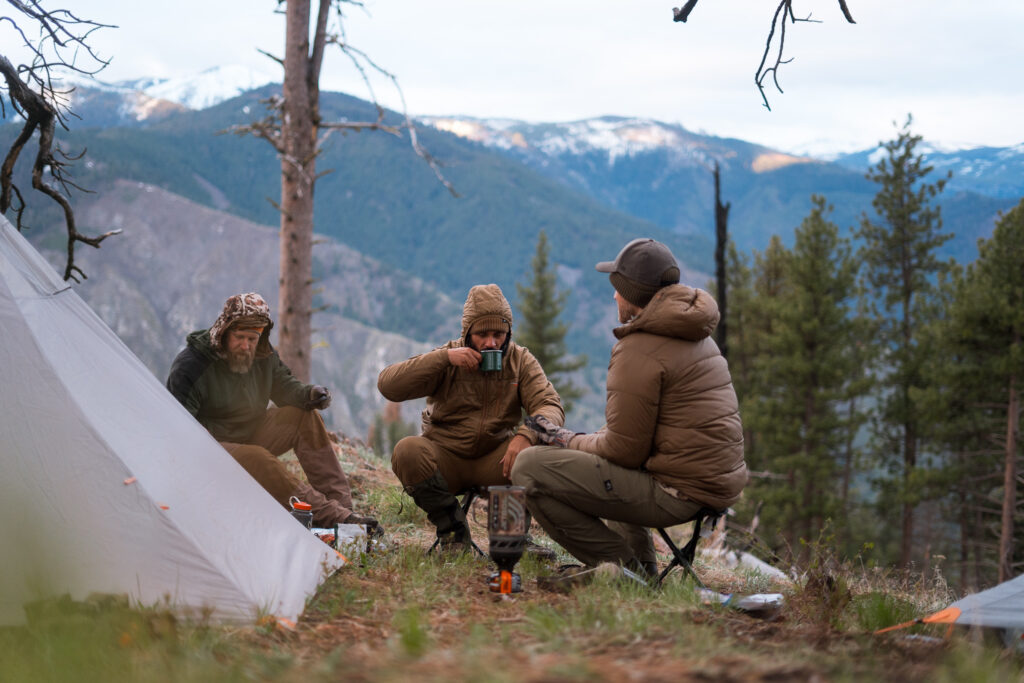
[
  {"x": 684, "y": 557},
  {"x": 468, "y": 496}
]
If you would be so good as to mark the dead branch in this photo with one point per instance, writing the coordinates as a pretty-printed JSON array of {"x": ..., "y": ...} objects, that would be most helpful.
[
  {"x": 846, "y": 11},
  {"x": 766, "y": 69},
  {"x": 64, "y": 43},
  {"x": 681, "y": 14},
  {"x": 269, "y": 128}
]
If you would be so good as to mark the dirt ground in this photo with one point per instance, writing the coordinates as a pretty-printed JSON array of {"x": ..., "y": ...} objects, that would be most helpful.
[{"x": 466, "y": 632}]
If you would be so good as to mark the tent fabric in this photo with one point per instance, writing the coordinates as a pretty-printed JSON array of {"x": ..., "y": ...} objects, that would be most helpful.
[
  {"x": 1001, "y": 606},
  {"x": 108, "y": 485}
]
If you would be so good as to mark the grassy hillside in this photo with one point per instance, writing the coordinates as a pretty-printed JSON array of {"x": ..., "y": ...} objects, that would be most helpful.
[{"x": 397, "y": 614}]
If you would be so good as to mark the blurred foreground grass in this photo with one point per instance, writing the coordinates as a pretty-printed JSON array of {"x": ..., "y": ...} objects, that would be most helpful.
[{"x": 399, "y": 614}]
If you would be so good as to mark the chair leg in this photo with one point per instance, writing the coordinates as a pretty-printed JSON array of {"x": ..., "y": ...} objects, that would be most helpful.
[
  {"x": 684, "y": 557},
  {"x": 678, "y": 560}
]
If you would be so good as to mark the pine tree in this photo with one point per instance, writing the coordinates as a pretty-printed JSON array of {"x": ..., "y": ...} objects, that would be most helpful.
[
  {"x": 804, "y": 366},
  {"x": 987, "y": 331},
  {"x": 541, "y": 305},
  {"x": 901, "y": 265}
]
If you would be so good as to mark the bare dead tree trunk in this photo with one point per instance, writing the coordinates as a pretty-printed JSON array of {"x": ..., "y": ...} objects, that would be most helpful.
[
  {"x": 1009, "y": 483},
  {"x": 721, "y": 242},
  {"x": 299, "y": 120}
]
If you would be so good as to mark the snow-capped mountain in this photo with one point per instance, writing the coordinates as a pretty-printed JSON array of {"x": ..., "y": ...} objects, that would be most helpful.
[
  {"x": 100, "y": 103},
  {"x": 992, "y": 171},
  {"x": 613, "y": 138},
  {"x": 206, "y": 89}
]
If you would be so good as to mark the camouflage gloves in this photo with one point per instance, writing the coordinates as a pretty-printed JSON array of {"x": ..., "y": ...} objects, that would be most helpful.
[
  {"x": 549, "y": 433},
  {"x": 319, "y": 398}
]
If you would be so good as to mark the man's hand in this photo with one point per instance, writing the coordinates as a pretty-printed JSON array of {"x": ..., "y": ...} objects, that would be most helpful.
[
  {"x": 548, "y": 433},
  {"x": 464, "y": 357},
  {"x": 515, "y": 447},
  {"x": 319, "y": 398}
]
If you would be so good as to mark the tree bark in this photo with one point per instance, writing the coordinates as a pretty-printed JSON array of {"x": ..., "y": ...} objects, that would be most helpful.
[
  {"x": 721, "y": 241},
  {"x": 1009, "y": 484},
  {"x": 298, "y": 174}
]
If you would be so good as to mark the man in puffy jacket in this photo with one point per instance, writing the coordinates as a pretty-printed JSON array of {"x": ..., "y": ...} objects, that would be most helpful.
[
  {"x": 471, "y": 430},
  {"x": 226, "y": 376},
  {"x": 672, "y": 442}
]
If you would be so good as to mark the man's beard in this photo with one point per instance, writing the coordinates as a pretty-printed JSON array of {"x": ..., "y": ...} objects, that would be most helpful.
[{"x": 240, "y": 361}]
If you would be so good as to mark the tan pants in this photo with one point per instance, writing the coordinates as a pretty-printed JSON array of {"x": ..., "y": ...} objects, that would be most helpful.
[
  {"x": 416, "y": 458},
  {"x": 303, "y": 431},
  {"x": 570, "y": 492}
]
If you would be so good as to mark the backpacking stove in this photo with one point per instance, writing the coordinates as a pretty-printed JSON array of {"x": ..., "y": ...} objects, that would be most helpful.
[{"x": 506, "y": 528}]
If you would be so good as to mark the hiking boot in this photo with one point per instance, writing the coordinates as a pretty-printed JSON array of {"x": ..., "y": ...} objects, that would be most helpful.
[
  {"x": 373, "y": 527},
  {"x": 568, "y": 577},
  {"x": 572, "y": 576},
  {"x": 455, "y": 542},
  {"x": 540, "y": 552}
]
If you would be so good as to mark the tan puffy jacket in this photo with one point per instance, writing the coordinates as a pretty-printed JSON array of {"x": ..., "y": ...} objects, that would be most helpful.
[
  {"x": 469, "y": 412},
  {"x": 671, "y": 405}
]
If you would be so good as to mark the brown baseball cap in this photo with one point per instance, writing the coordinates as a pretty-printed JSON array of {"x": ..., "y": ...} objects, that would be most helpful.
[{"x": 642, "y": 267}]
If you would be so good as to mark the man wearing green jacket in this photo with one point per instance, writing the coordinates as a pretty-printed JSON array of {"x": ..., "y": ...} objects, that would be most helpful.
[
  {"x": 226, "y": 376},
  {"x": 472, "y": 425}
]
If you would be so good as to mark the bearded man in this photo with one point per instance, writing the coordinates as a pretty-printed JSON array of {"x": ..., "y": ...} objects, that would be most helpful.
[
  {"x": 226, "y": 376},
  {"x": 472, "y": 425}
]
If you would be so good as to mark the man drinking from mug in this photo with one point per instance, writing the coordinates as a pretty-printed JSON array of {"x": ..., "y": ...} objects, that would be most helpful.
[{"x": 472, "y": 430}]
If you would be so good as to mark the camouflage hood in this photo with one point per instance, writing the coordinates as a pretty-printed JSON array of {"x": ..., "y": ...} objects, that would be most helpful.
[
  {"x": 247, "y": 310},
  {"x": 486, "y": 305}
]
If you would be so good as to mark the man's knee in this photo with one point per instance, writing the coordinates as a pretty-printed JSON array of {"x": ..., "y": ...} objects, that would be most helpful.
[
  {"x": 526, "y": 466},
  {"x": 412, "y": 460}
]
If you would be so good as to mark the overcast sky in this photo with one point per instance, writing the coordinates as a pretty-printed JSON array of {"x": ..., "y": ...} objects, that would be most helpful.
[{"x": 956, "y": 66}]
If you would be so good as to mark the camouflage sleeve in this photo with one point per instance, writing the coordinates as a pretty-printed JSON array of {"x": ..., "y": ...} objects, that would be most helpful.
[{"x": 537, "y": 395}]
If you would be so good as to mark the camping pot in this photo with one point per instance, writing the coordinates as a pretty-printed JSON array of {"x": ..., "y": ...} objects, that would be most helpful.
[{"x": 302, "y": 511}]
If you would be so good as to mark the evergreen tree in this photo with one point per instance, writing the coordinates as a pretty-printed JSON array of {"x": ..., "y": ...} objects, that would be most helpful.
[
  {"x": 900, "y": 270},
  {"x": 541, "y": 305},
  {"x": 805, "y": 365},
  {"x": 987, "y": 331}
]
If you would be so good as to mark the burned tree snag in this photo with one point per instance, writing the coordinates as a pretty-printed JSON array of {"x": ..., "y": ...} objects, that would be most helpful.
[{"x": 721, "y": 243}]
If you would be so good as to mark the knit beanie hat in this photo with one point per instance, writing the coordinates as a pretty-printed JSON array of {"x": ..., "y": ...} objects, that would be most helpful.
[
  {"x": 489, "y": 323},
  {"x": 642, "y": 268}
]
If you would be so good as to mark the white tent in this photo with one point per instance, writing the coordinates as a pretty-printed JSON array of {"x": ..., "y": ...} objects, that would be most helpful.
[{"x": 107, "y": 485}]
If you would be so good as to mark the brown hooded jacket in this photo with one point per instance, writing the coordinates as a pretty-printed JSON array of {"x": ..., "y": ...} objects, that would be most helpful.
[
  {"x": 469, "y": 412},
  {"x": 671, "y": 408}
]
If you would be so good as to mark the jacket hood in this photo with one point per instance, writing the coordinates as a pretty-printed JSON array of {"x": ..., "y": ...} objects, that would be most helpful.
[
  {"x": 250, "y": 309},
  {"x": 485, "y": 301},
  {"x": 200, "y": 342},
  {"x": 676, "y": 311}
]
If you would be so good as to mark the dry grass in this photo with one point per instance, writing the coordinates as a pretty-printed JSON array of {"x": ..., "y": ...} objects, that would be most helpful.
[{"x": 401, "y": 615}]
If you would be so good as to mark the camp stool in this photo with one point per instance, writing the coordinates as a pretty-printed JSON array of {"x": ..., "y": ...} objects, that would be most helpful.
[
  {"x": 684, "y": 557},
  {"x": 468, "y": 496}
]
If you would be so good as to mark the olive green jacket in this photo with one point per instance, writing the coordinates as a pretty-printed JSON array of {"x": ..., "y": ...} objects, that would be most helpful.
[{"x": 231, "y": 405}]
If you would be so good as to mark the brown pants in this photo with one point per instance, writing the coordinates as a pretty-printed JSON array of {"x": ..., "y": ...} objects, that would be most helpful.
[
  {"x": 416, "y": 458},
  {"x": 304, "y": 432},
  {"x": 570, "y": 492}
]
